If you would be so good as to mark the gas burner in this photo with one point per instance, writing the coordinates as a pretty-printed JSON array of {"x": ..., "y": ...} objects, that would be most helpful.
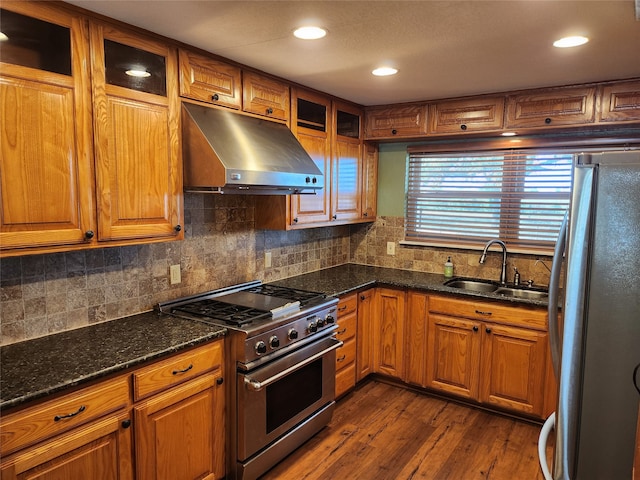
[
  {"x": 230, "y": 314},
  {"x": 290, "y": 294}
]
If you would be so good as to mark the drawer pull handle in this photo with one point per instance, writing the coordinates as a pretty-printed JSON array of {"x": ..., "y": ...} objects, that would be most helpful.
[
  {"x": 340, "y": 332},
  {"x": 342, "y": 309},
  {"x": 57, "y": 418},
  {"x": 480, "y": 312},
  {"x": 341, "y": 359},
  {"x": 176, "y": 372}
]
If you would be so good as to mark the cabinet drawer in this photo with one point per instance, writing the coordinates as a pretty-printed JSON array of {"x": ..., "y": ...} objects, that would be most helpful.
[
  {"x": 345, "y": 379},
  {"x": 177, "y": 369},
  {"x": 347, "y": 326},
  {"x": 521, "y": 316},
  {"x": 347, "y": 305},
  {"x": 346, "y": 355},
  {"x": 42, "y": 421}
]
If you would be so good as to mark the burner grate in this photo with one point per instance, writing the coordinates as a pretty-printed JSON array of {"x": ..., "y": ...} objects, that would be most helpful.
[
  {"x": 291, "y": 294},
  {"x": 231, "y": 314}
]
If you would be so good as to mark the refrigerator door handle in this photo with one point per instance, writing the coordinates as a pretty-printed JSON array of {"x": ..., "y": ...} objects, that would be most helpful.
[
  {"x": 554, "y": 293},
  {"x": 570, "y": 389},
  {"x": 543, "y": 439}
]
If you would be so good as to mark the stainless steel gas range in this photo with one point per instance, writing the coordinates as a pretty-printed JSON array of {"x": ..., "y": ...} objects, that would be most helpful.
[{"x": 281, "y": 354}]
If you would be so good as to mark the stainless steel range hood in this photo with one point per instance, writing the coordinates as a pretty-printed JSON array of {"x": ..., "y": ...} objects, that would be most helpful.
[{"x": 226, "y": 152}]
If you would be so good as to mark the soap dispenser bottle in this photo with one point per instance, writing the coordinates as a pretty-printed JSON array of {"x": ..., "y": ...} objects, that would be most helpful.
[{"x": 448, "y": 268}]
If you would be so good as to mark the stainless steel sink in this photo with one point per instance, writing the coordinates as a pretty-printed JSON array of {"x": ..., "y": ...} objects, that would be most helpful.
[
  {"x": 522, "y": 293},
  {"x": 485, "y": 286}
]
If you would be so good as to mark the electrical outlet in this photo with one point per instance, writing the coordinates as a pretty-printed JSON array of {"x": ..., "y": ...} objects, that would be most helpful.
[
  {"x": 175, "y": 274},
  {"x": 391, "y": 248},
  {"x": 267, "y": 259}
]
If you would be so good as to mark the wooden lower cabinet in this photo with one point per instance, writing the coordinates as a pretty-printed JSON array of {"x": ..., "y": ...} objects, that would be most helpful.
[
  {"x": 100, "y": 450},
  {"x": 364, "y": 347},
  {"x": 498, "y": 365},
  {"x": 97, "y": 433},
  {"x": 388, "y": 332},
  {"x": 346, "y": 355}
]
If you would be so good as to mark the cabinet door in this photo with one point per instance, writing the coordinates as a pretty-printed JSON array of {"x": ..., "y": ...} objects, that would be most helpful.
[
  {"x": 265, "y": 96},
  {"x": 466, "y": 116},
  {"x": 620, "y": 102},
  {"x": 416, "y": 345},
  {"x": 396, "y": 121},
  {"x": 453, "y": 355},
  {"x": 513, "y": 368},
  {"x": 46, "y": 181},
  {"x": 370, "y": 182},
  {"x": 346, "y": 169},
  {"x": 554, "y": 107},
  {"x": 208, "y": 80},
  {"x": 98, "y": 451},
  {"x": 179, "y": 434},
  {"x": 388, "y": 332},
  {"x": 138, "y": 170},
  {"x": 364, "y": 357},
  {"x": 346, "y": 355}
]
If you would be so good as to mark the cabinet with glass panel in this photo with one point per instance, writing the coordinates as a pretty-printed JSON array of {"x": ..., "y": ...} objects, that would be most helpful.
[{"x": 100, "y": 106}]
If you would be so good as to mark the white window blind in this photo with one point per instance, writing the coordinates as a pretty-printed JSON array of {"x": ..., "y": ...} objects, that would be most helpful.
[{"x": 518, "y": 196}]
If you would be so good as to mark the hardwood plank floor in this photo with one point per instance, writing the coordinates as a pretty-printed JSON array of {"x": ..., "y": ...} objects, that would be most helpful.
[{"x": 385, "y": 432}]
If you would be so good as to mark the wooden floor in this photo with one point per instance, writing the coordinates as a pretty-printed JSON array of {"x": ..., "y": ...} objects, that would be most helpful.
[{"x": 384, "y": 432}]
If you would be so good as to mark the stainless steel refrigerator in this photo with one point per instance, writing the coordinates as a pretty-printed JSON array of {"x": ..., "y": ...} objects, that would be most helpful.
[{"x": 598, "y": 349}]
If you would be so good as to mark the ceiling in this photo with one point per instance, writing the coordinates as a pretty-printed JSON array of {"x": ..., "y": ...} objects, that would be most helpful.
[{"x": 441, "y": 48}]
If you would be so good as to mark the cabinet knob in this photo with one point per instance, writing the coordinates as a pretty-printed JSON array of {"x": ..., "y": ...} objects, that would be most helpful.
[
  {"x": 269, "y": 111},
  {"x": 215, "y": 97},
  {"x": 365, "y": 214},
  {"x": 488, "y": 330},
  {"x": 463, "y": 127},
  {"x": 362, "y": 297},
  {"x": 295, "y": 220},
  {"x": 394, "y": 131},
  {"x": 475, "y": 328},
  {"x": 126, "y": 423},
  {"x": 220, "y": 381},
  {"x": 177, "y": 228},
  {"x": 89, "y": 234},
  {"x": 547, "y": 120},
  {"x": 335, "y": 217}
]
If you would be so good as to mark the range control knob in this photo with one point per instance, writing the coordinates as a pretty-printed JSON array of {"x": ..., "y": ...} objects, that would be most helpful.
[
  {"x": 293, "y": 334},
  {"x": 321, "y": 322},
  {"x": 261, "y": 347},
  {"x": 329, "y": 320},
  {"x": 274, "y": 342},
  {"x": 313, "y": 327}
]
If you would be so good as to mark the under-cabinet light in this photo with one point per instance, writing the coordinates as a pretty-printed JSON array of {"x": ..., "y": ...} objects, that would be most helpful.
[{"x": 508, "y": 134}]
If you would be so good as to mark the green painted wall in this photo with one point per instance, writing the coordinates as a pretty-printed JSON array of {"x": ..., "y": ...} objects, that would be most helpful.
[{"x": 392, "y": 162}]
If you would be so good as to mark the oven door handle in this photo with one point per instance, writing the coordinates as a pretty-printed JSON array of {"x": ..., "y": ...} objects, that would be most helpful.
[{"x": 257, "y": 386}]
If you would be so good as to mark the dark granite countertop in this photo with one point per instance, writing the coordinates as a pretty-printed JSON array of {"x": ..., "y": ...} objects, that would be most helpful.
[
  {"x": 351, "y": 277},
  {"x": 35, "y": 368}
]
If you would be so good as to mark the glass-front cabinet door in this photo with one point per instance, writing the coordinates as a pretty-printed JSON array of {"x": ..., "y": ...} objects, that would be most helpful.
[
  {"x": 136, "y": 107},
  {"x": 46, "y": 192}
]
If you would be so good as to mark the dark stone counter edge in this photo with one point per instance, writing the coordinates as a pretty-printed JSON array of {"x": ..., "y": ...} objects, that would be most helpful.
[{"x": 12, "y": 403}]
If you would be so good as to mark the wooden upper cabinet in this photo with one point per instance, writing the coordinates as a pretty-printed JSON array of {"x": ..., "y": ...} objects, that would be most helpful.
[
  {"x": 396, "y": 121},
  {"x": 208, "y": 80},
  {"x": 136, "y": 128},
  {"x": 46, "y": 190},
  {"x": 265, "y": 96},
  {"x": 311, "y": 125},
  {"x": 466, "y": 115},
  {"x": 346, "y": 168},
  {"x": 620, "y": 102},
  {"x": 551, "y": 107},
  {"x": 370, "y": 181}
]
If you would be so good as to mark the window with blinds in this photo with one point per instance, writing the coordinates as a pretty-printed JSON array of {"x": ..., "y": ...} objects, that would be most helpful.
[{"x": 466, "y": 199}]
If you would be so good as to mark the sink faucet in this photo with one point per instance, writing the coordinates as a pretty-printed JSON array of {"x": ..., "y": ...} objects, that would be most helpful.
[{"x": 483, "y": 257}]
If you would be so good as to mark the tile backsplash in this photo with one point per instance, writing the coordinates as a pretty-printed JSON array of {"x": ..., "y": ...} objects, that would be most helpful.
[{"x": 43, "y": 294}]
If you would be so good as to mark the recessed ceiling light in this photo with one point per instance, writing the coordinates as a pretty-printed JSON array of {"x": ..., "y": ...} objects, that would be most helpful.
[
  {"x": 384, "y": 71},
  {"x": 138, "y": 73},
  {"x": 309, "y": 33},
  {"x": 508, "y": 134},
  {"x": 567, "y": 42},
  {"x": 3, "y": 37}
]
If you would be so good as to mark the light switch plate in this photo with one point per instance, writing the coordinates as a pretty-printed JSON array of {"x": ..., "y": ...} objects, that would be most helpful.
[
  {"x": 391, "y": 248},
  {"x": 267, "y": 259}
]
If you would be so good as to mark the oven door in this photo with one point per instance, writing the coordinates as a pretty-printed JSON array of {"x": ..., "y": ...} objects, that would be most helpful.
[{"x": 277, "y": 396}]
